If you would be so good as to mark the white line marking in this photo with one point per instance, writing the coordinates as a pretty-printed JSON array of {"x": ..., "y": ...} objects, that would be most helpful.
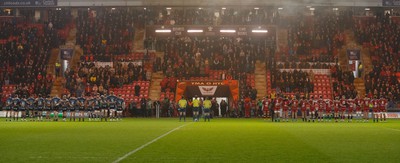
[
  {"x": 150, "y": 142},
  {"x": 393, "y": 129}
]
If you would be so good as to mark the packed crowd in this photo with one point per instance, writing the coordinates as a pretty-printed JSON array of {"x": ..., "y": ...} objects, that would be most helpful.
[
  {"x": 292, "y": 81},
  {"x": 91, "y": 79},
  {"x": 103, "y": 32},
  {"x": 321, "y": 31},
  {"x": 228, "y": 57},
  {"x": 25, "y": 53},
  {"x": 211, "y": 16},
  {"x": 382, "y": 36},
  {"x": 319, "y": 61},
  {"x": 193, "y": 56},
  {"x": 343, "y": 83}
]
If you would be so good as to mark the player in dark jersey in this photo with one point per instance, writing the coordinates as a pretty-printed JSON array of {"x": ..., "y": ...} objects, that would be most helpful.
[
  {"x": 90, "y": 107},
  {"x": 120, "y": 107},
  {"x": 104, "y": 108},
  {"x": 64, "y": 103},
  {"x": 56, "y": 106},
  {"x": 97, "y": 109},
  {"x": 14, "y": 111},
  {"x": 81, "y": 108},
  {"x": 112, "y": 100},
  {"x": 31, "y": 108},
  {"x": 9, "y": 106},
  {"x": 47, "y": 107},
  {"x": 72, "y": 107},
  {"x": 22, "y": 108},
  {"x": 39, "y": 107}
]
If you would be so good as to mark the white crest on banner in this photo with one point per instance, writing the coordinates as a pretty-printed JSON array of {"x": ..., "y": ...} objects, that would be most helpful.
[{"x": 208, "y": 90}]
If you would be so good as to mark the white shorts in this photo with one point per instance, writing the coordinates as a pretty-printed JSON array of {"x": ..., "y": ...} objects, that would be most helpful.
[{"x": 276, "y": 111}]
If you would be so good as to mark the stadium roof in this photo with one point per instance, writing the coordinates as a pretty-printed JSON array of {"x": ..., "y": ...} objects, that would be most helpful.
[{"x": 280, "y": 3}]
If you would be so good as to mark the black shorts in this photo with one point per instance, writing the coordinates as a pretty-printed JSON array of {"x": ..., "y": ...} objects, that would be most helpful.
[
  {"x": 206, "y": 110},
  {"x": 182, "y": 110},
  {"x": 196, "y": 109}
]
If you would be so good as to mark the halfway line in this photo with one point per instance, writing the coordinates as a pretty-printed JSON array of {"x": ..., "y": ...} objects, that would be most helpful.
[{"x": 150, "y": 142}]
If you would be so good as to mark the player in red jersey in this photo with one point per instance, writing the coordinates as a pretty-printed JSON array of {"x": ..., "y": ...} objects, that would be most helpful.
[
  {"x": 367, "y": 106},
  {"x": 247, "y": 107},
  {"x": 375, "y": 105},
  {"x": 304, "y": 102},
  {"x": 359, "y": 105},
  {"x": 319, "y": 109},
  {"x": 277, "y": 108},
  {"x": 336, "y": 108},
  {"x": 351, "y": 103},
  {"x": 294, "y": 108},
  {"x": 328, "y": 110},
  {"x": 314, "y": 108},
  {"x": 266, "y": 105},
  {"x": 322, "y": 110},
  {"x": 285, "y": 109},
  {"x": 383, "y": 109},
  {"x": 343, "y": 107},
  {"x": 308, "y": 109}
]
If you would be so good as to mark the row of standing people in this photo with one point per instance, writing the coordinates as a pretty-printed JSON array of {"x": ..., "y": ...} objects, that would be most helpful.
[{"x": 94, "y": 107}]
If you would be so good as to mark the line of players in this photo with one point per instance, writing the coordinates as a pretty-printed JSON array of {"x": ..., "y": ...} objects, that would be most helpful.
[
  {"x": 94, "y": 107},
  {"x": 319, "y": 109}
]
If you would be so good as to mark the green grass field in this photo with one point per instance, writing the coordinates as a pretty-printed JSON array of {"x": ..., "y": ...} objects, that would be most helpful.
[{"x": 221, "y": 140}]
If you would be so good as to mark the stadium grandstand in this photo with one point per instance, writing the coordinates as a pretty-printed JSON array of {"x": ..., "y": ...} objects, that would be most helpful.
[
  {"x": 313, "y": 50},
  {"x": 238, "y": 63}
]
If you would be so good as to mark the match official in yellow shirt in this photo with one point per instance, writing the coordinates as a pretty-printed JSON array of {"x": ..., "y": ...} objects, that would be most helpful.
[{"x": 182, "y": 103}]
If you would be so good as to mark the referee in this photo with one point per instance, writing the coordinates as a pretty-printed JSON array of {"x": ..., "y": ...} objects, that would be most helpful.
[{"x": 182, "y": 103}]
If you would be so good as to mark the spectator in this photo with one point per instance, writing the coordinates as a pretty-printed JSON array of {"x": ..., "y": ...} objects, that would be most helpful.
[{"x": 137, "y": 90}]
